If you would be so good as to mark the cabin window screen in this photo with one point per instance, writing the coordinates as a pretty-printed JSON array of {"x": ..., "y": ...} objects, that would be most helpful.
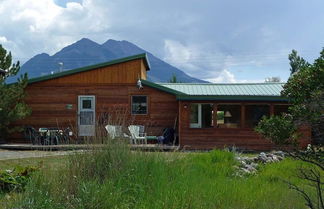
[
  {"x": 228, "y": 116},
  {"x": 86, "y": 118},
  {"x": 139, "y": 105},
  {"x": 254, "y": 113},
  {"x": 280, "y": 109},
  {"x": 201, "y": 115}
]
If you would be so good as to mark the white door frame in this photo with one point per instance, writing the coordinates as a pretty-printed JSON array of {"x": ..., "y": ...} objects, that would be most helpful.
[
  {"x": 198, "y": 124},
  {"x": 86, "y": 130}
]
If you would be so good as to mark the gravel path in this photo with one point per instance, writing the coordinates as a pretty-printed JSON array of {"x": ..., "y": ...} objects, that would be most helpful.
[{"x": 13, "y": 154}]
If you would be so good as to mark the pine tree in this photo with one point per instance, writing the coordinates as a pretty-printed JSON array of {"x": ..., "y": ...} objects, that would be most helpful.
[
  {"x": 174, "y": 79},
  {"x": 296, "y": 62},
  {"x": 12, "y": 105}
]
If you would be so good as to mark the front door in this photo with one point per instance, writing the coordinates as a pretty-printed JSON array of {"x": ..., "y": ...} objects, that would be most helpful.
[{"x": 86, "y": 115}]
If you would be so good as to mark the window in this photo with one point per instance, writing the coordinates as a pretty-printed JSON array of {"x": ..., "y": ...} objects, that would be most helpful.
[
  {"x": 280, "y": 109},
  {"x": 139, "y": 105},
  {"x": 201, "y": 115},
  {"x": 254, "y": 113},
  {"x": 228, "y": 116}
]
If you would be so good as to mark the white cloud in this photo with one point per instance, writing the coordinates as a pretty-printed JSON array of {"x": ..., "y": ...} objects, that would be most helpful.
[
  {"x": 3, "y": 39},
  {"x": 43, "y": 26},
  {"x": 180, "y": 55},
  {"x": 201, "y": 39},
  {"x": 199, "y": 62},
  {"x": 225, "y": 76}
]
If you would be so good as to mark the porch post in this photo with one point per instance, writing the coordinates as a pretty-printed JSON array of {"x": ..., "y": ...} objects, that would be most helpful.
[
  {"x": 215, "y": 115},
  {"x": 179, "y": 121},
  {"x": 271, "y": 109},
  {"x": 242, "y": 115}
]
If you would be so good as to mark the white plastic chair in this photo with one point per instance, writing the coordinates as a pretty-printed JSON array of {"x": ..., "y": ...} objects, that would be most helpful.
[
  {"x": 137, "y": 134},
  {"x": 111, "y": 131},
  {"x": 114, "y": 131}
]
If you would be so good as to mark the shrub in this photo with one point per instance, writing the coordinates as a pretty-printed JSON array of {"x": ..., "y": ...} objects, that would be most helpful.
[
  {"x": 279, "y": 129},
  {"x": 15, "y": 180}
]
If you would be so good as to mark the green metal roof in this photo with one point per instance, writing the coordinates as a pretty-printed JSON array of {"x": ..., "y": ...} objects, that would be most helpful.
[
  {"x": 162, "y": 88},
  {"x": 92, "y": 67},
  {"x": 228, "y": 91}
]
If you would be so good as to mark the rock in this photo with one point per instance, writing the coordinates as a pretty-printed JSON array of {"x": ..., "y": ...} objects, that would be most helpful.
[
  {"x": 275, "y": 158},
  {"x": 243, "y": 163},
  {"x": 279, "y": 153},
  {"x": 246, "y": 171},
  {"x": 255, "y": 165},
  {"x": 280, "y": 158},
  {"x": 263, "y": 158},
  {"x": 250, "y": 168},
  {"x": 249, "y": 165}
]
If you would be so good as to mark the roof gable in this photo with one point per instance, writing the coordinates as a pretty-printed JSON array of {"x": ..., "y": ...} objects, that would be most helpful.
[{"x": 92, "y": 67}]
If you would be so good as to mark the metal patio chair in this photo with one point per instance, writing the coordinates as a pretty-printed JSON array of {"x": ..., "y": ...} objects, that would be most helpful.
[{"x": 32, "y": 135}]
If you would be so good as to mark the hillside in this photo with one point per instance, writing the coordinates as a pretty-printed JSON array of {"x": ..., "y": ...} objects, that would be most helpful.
[{"x": 87, "y": 52}]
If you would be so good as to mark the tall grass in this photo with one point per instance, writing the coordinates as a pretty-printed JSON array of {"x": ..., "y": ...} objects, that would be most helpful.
[{"x": 115, "y": 177}]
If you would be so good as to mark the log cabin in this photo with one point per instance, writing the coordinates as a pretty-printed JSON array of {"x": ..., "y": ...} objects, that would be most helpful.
[{"x": 205, "y": 116}]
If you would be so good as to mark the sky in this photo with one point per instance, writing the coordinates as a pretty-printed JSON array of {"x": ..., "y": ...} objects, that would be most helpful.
[{"x": 214, "y": 40}]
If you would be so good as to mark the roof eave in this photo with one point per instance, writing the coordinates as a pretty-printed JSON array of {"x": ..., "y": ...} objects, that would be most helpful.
[
  {"x": 232, "y": 98},
  {"x": 162, "y": 88}
]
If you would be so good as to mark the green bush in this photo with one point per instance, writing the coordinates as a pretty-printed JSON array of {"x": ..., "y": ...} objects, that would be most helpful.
[
  {"x": 279, "y": 129},
  {"x": 15, "y": 180}
]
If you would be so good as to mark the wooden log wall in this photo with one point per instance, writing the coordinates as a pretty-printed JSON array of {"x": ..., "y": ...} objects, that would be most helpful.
[
  {"x": 113, "y": 87},
  {"x": 214, "y": 137},
  {"x": 113, "y": 104}
]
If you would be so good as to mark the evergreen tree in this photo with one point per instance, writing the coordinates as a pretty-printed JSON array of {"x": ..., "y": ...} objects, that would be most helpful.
[
  {"x": 174, "y": 79},
  {"x": 12, "y": 105},
  {"x": 296, "y": 62},
  {"x": 305, "y": 90}
]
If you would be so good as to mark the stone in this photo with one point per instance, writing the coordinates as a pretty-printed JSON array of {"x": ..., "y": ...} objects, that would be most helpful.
[
  {"x": 279, "y": 153},
  {"x": 275, "y": 158}
]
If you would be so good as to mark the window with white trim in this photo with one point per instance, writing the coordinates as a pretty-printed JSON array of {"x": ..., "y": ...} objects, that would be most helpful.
[
  {"x": 201, "y": 115},
  {"x": 139, "y": 105}
]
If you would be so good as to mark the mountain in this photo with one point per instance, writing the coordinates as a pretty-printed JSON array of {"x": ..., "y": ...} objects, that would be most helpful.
[{"x": 87, "y": 52}]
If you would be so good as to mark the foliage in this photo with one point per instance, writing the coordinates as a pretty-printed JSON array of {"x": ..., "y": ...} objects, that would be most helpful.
[
  {"x": 12, "y": 106},
  {"x": 174, "y": 79},
  {"x": 305, "y": 89},
  {"x": 15, "y": 180},
  {"x": 279, "y": 129},
  {"x": 296, "y": 62},
  {"x": 115, "y": 177}
]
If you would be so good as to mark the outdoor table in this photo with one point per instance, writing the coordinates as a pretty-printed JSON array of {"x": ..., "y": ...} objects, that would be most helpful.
[{"x": 49, "y": 136}]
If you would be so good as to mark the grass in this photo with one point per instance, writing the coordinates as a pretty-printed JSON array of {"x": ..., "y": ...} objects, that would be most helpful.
[
  {"x": 49, "y": 162},
  {"x": 115, "y": 177}
]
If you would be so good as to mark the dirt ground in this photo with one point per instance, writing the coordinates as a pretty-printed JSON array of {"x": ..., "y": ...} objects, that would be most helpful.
[{"x": 14, "y": 154}]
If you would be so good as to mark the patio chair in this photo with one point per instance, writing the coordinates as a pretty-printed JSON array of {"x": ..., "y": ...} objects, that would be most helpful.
[
  {"x": 114, "y": 131},
  {"x": 137, "y": 134},
  {"x": 66, "y": 135},
  {"x": 32, "y": 135}
]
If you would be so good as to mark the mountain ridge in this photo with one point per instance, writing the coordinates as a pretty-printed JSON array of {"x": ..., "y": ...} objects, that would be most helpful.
[{"x": 85, "y": 52}]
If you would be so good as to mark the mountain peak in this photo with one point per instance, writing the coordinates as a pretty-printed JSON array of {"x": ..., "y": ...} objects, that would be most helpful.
[
  {"x": 86, "y": 52},
  {"x": 113, "y": 41},
  {"x": 86, "y": 40}
]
